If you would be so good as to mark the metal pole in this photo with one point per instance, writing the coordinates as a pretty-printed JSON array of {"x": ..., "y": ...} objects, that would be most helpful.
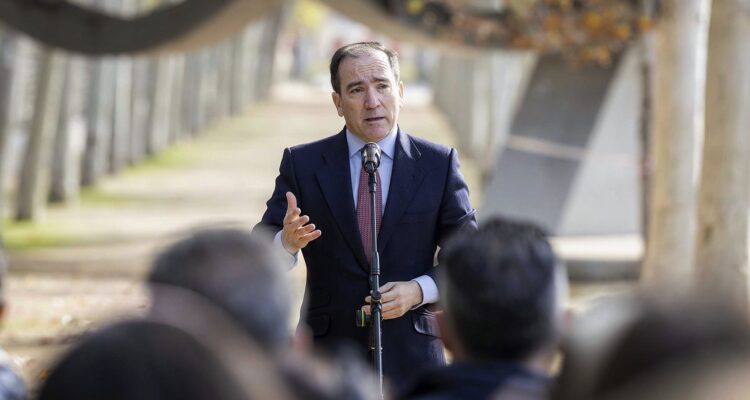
[{"x": 377, "y": 346}]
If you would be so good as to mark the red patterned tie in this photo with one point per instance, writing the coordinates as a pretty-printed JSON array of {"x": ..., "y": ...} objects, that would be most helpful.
[{"x": 363, "y": 211}]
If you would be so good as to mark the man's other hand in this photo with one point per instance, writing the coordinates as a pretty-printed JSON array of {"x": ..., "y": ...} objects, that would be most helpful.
[
  {"x": 297, "y": 233},
  {"x": 397, "y": 298}
]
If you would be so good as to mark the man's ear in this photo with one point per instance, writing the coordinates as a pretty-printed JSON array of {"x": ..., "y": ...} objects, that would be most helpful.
[{"x": 337, "y": 103}]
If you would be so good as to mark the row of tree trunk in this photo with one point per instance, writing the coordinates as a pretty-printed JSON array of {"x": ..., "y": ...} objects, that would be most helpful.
[
  {"x": 66, "y": 121},
  {"x": 698, "y": 230}
]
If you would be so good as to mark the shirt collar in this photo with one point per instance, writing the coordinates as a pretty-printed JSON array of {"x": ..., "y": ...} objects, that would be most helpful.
[{"x": 387, "y": 144}]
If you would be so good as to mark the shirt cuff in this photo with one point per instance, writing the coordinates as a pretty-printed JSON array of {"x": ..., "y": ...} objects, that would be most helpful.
[
  {"x": 429, "y": 290},
  {"x": 291, "y": 257}
]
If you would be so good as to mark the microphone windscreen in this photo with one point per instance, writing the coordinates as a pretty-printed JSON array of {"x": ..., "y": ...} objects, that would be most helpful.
[{"x": 371, "y": 156}]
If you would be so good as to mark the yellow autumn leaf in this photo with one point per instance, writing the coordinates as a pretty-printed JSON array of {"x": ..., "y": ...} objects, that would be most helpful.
[{"x": 592, "y": 21}]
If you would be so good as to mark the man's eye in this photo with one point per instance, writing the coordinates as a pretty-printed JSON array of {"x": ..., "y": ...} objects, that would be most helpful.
[{"x": 355, "y": 90}]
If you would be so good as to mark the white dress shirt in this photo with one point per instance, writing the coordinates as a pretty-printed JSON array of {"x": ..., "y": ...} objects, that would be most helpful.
[{"x": 387, "y": 148}]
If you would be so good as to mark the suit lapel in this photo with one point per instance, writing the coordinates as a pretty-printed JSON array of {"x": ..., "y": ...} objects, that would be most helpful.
[
  {"x": 335, "y": 183},
  {"x": 405, "y": 179}
]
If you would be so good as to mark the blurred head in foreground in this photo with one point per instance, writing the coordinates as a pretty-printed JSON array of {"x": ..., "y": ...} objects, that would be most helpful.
[
  {"x": 235, "y": 271},
  {"x": 503, "y": 292},
  {"x": 141, "y": 360},
  {"x": 239, "y": 284},
  {"x": 657, "y": 349}
]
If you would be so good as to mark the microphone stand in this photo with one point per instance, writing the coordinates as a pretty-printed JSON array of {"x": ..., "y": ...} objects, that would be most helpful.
[{"x": 375, "y": 304}]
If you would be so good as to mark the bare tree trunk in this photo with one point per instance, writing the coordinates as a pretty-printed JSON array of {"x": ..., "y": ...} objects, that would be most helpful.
[
  {"x": 141, "y": 104},
  {"x": 676, "y": 94},
  {"x": 191, "y": 79},
  {"x": 140, "y": 110},
  {"x": 722, "y": 237},
  {"x": 224, "y": 80},
  {"x": 210, "y": 87},
  {"x": 8, "y": 45},
  {"x": 99, "y": 127},
  {"x": 69, "y": 137},
  {"x": 158, "y": 137},
  {"x": 123, "y": 115},
  {"x": 237, "y": 94},
  {"x": 252, "y": 53},
  {"x": 123, "y": 112},
  {"x": 176, "y": 128},
  {"x": 269, "y": 38},
  {"x": 646, "y": 47},
  {"x": 201, "y": 88},
  {"x": 34, "y": 175},
  {"x": 17, "y": 111}
]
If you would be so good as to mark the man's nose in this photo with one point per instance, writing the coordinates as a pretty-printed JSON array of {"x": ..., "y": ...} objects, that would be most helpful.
[{"x": 371, "y": 99}]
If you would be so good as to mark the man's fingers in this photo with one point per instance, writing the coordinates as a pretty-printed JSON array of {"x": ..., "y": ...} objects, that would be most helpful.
[
  {"x": 313, "y": 235},
  {"x": 292, "y": 215},
  {"x": 304, "y": 230},
  {"x": 291, "y": 202},
  {"x": 292, "y": 224},
  {"x": 305, "y": 239},
  {"x": 299, "y": 222},
  {"x": 390, "y": 310},
  {"x": 387, "y": 287},
  {"x": 388, "y": 296}
]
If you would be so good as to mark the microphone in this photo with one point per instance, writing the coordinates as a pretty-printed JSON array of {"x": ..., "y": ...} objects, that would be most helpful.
[{"x": 370, "y": 157}]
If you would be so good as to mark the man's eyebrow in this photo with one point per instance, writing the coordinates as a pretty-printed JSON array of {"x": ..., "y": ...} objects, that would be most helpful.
[
  {"x": 359, "y": 82},
  {"x": 353, "y": 84}
]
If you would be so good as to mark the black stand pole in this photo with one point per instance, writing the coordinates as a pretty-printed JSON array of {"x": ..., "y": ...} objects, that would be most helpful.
[{"x": 375, "y": 304}]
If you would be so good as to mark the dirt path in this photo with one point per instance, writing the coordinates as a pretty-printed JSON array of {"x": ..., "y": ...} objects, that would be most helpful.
[{"x": 220, "y": 179}]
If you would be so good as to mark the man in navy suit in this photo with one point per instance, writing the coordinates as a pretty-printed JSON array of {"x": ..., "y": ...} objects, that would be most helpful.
[{"x": 423, "y": 199}]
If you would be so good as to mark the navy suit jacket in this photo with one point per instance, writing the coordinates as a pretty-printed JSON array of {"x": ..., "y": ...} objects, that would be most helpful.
[{"x": 428, "y": 201}]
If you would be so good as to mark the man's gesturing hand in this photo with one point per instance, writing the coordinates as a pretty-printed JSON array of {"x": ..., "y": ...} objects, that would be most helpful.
[
  {"x": 397, "y": 298},
  {"x": 296, "y": 234}
]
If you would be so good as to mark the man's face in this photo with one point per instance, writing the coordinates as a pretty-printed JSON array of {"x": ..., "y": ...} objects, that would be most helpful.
[{"x": 370, "y": 97}]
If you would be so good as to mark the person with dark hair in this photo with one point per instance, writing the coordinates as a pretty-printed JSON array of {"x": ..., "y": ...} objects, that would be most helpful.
[
  {"x": 238, "y": 273},
  {"x": 503, "y": 296},
  {"x": 140, "y": 360},
  {"x": 228, "y": 289},
  {"x": 652, "y": 346},
  {"x": 421, "y": 200},
  {"x": 12, "y": 386}
]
